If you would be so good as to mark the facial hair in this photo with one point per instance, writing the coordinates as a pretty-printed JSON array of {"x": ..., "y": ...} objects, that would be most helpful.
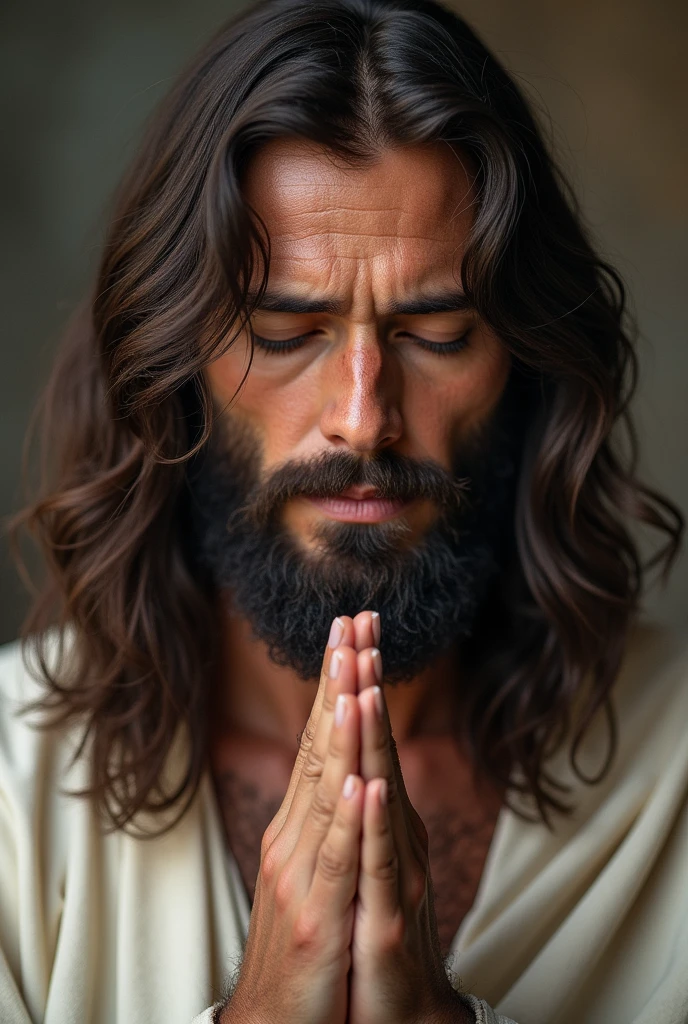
[{"x": 427, "y": 593}]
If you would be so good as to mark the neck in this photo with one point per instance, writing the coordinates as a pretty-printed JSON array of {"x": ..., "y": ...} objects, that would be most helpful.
[{"x": 257, "y": 698}]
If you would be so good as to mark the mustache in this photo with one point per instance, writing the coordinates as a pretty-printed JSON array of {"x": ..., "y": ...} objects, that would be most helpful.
[{"x": 393, "y": 475}]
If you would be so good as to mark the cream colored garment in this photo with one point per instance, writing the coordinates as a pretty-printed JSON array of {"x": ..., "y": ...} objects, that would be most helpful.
[
  {"x": 482, "y": 1013},
  {"x": 586, "y": 925}
]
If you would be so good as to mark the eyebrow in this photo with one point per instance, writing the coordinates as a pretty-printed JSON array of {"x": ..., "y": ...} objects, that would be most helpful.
[
  {"x": 441, "y": 302},
  {"x": 282, "y": 302}
]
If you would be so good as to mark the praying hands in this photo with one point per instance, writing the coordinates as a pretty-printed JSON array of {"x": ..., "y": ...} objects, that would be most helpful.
[{"x": 343, "y": 927}]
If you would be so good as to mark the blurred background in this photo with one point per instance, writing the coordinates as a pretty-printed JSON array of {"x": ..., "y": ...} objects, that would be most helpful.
[{"x": 609, "y": 79}]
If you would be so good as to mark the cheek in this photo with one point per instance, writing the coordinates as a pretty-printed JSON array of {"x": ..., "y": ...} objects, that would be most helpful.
[
  {"x": 444, "y": 400},
  {"x": 455, "y": 400},
  {"x": 278, "y": 410}
]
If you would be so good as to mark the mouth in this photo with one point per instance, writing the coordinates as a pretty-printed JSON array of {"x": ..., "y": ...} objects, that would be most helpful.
[{"x": 359, "y": 505}]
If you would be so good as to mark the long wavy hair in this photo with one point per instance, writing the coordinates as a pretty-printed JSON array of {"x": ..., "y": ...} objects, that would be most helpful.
[{"x": 127, "y": 408}]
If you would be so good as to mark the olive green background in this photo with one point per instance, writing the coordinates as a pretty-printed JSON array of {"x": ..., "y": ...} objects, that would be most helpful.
[{"x": 77, "y": 80}]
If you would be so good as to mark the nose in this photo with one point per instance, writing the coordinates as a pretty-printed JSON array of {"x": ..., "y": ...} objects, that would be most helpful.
[{"x": 362, "y": 396}]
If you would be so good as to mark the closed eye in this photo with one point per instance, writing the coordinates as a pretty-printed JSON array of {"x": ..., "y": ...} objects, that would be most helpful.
[
  {"x": 288, "y": 345},
  {"x": 442, "y": 348}
]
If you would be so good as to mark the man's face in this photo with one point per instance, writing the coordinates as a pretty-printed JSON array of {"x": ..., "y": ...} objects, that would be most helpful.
[{"x": 380, "y": 356}]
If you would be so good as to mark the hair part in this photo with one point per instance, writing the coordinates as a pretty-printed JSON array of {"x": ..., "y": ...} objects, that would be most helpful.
[{"x": 127, "y": 407}]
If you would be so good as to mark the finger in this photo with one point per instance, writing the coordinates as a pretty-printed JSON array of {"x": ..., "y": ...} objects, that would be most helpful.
[
  {"x": 342, "y": 634},
  {"x": 318, "y": 726},
  {"x": 369, "y": 668},
  {"x": 337, "y": 864},
  {"x": 340, "y": 762},
  {"x": 367, "y": 630},
  {"x": 313, "y": 763},
  {"x": 378, "y": 882},
  {"x": 379, "y": 757}
]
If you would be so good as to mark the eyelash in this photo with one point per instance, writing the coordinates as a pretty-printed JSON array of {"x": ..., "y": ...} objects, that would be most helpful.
[{"x": 440, "y": 348}]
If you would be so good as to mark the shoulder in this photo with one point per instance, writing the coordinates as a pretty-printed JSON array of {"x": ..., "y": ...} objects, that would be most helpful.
[
  {"x": 649, "y": 701},
  {"x": 45, "y": 762},
  {"x": 21, "y": 679},
  {"x": 646, "y": 732},
  {"x": 653, "y": 678},
  {"x": 31, "y": 753}
]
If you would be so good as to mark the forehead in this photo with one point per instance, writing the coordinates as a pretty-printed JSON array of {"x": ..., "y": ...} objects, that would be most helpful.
[{"x": 404, "y": 217}]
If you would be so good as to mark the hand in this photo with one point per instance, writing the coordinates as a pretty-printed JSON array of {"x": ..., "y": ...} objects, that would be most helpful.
[
  {"x": 298, "y": 951},
  {"x": 398, "y": 974}
]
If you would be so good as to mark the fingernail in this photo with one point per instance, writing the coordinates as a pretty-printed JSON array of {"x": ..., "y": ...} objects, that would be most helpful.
[
  {"x": 335, "y": 664},
  {"x": 377, "y": 663},
  {"x": 382, "y": 792},
  {"x": 377, "y": 696},
  {"x": 336, "y": 633},
  {"x": 349, "y": 786},
  {"x": 375, "y": 617},
  {"x": 340, "y": 710}
]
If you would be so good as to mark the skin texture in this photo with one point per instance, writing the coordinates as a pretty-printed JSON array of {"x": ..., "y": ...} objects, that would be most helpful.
[
  {"x": 363, "y": 238},
  {"x": 344, "y": 885},
  {"x": 338, "y": 835}
]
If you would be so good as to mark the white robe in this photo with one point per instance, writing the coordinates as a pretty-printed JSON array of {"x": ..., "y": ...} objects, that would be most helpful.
[{"x": 587, "y": 924}]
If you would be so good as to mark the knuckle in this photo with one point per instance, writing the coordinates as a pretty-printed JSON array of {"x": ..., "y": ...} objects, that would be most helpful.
[
  {"x": 386, "y": 870},
  {"x": 312, "y": 766},
  {"x": 332, "y": 865},
  {"x": 284, "y": 891},
  {"x": 306, "y": 930},
  {"x": 268, "y": 839},
  {"x": 322, "y": 805},
  {"x": 308, "y": 735},
  {"x": 269, "y": 864}
]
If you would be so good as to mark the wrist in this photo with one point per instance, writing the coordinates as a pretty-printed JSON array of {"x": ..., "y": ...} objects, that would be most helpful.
[
  {"x": 233, "y": 1012},
  {"x": 232, "y": 1015}
]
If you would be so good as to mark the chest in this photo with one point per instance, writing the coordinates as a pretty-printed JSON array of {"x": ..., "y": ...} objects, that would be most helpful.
[{"x": 250, "y": 784}]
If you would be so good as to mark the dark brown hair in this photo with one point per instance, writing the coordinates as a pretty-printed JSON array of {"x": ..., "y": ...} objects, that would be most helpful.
[{"x": 127, "y": 406}]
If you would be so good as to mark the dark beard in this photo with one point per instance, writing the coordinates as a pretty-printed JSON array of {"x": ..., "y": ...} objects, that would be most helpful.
[{"x": 427, "y": 594}]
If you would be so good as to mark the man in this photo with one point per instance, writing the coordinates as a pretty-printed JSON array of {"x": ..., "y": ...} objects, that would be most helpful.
[{"x": 343, "y": 601}]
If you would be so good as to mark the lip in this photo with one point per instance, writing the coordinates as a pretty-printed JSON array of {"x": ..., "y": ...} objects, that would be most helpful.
[
  {"x": 359, "y": 491},
  {"x": 359, "y": 510}
]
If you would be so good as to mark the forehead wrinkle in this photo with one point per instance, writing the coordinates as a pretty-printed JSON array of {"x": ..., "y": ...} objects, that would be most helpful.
[
  {"x": 329, "y": 274},
  {"x": 296, "y": 243},
  {"x": 309, "y": 230},
  {"x": 315, "y": 276},
  {"x": 404, "y": 224},
  {"x": 392, "y": 217},
  {"x": 388, "y": 275},
  {"x": 328, "y": 236}
]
